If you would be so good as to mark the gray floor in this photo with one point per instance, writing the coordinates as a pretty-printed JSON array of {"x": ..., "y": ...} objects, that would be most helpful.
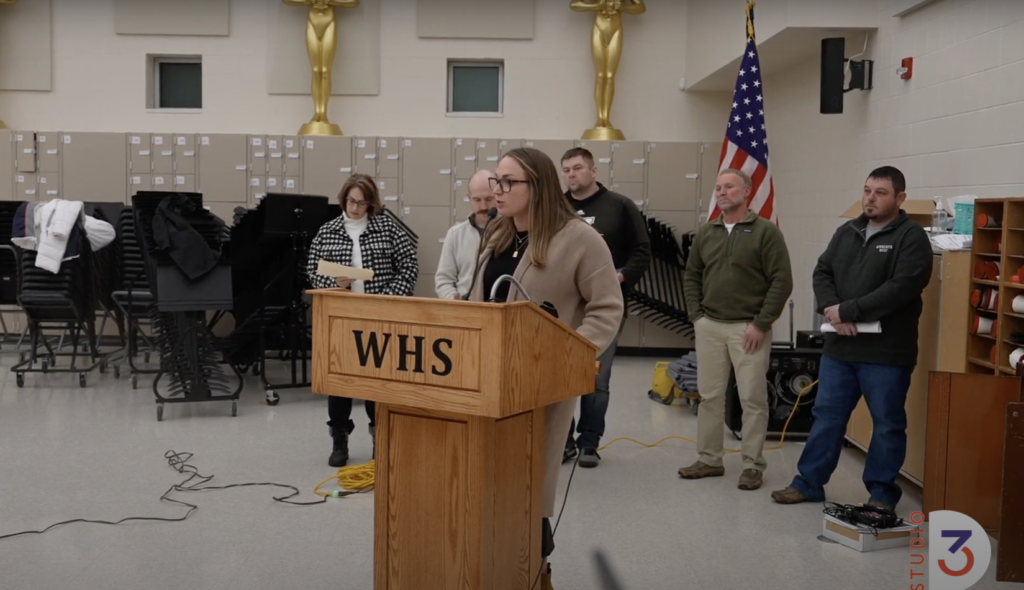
[{"x": 98, "y": 453}]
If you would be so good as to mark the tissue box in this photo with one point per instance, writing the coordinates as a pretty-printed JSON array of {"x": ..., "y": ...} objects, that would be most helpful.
[{"x": 863, "y": 540}]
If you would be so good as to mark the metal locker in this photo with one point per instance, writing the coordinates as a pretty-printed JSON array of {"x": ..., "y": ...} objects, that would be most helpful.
[
  {"x": 365, "y": 161},
  {"x": 140, "y": 153},
  {"x": 25, "y": 186},
  {"x": 257, "y": 188},
  {"x": 633, "y": 190},
  {"x": 602, "y": 151},
  {"x": 710, "y": 154},
  {"x": 223, "y": 168},
  {"x": 628, "y": 161},
  {"x": 292, "y": 156},
  {"x": 25, "y": 151},
  {"x": 185, "y": 183},
  {"x": 555, "y": 149},
  {"x": 139, "y": 182},
  {"x": 430, "y": 225},
  {"x": 389, "y": 154},
  {"x": 681, "y": 222},
  {"x": 505, "y": 145},
  {"x": 326, "y": 165},
  {"x": 275, "y": 155},
  {"x": 48, "y": 185},
  {"x": 163, "y": 182},
  {"x": 185, "y": 154},
  {"x": 163, "y": 153},
  {"x": 291, "y": 185},
  {"x": 48, "y": 152},
  {"x": 461, "y": 206},
  {"x": 465, "y": 157},
  {"x": 225, "y": 211},
  {"x": 388, "y": 189},
  {"x": 258, "y": 155},
  {"x": 487, "y": 153},
  {"x": 672, "y": 172},
  {"x": 275, "y": 184},
  {"x": 94, "y": 167},
  {"x": 426, "y": 172},
  {"x": 6, "y": 165}
]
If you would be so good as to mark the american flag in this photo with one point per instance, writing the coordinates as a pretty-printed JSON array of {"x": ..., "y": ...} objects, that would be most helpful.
[{"x": 746, "y": 143}]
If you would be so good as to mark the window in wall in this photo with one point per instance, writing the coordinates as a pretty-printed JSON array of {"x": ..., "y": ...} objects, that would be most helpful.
[
  {"x": 176, "y": 82},
  {"x": 476, "y": 87}
]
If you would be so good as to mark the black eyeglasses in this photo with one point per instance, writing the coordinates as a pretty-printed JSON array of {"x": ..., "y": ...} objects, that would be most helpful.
[
  {"x": 505, "y": 183},
  {"x": 355, "y": 203}
]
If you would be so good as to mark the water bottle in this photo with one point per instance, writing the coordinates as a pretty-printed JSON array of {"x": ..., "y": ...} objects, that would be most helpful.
[{"x": 939, "y": 218}]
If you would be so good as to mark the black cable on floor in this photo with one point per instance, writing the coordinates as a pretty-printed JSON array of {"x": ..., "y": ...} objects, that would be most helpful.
[
  {"x": 180, "y": 463},
  {"x": 557, "y": 520}
]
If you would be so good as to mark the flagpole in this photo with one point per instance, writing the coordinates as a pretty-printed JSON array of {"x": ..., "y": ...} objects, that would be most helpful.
[{"x": 750, "y": 19}]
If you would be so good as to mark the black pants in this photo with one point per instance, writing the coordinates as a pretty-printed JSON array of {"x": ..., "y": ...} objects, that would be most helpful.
[{"x": 339, "y": 410}]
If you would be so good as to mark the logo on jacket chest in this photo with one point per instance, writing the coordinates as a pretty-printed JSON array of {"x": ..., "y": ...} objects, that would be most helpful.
[
  {"x": 589, "y": 219},
  {"x": 883, "y": 248}
]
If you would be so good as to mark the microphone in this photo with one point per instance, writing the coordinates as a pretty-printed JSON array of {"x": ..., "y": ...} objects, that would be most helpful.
[{"x": 491, "y": 214}]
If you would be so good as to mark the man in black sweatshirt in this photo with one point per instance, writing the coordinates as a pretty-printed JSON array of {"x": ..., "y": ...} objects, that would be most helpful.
[
  {"x": 619, "y": 221},
  {"x": 874, "y": 270}
]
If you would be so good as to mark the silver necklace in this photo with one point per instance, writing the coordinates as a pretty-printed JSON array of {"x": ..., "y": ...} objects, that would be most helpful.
[{"x": 520, "y": 245}]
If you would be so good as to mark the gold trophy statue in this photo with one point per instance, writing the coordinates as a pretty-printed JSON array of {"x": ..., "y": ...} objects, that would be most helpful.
[
  {"x": 6, "y": 3},
  {"x": 606, "y": 45},
  {"x": 321, "y": 43}
]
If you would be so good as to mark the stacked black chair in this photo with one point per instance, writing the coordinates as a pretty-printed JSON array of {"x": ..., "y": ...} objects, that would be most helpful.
[
  {"x": 190, "y": 355},
  {"x": 658, "y": 297},
  {"x": 66, "y": 302},
  {"x": 8, "y": 263},
  {"x": 133, "y": 298}
]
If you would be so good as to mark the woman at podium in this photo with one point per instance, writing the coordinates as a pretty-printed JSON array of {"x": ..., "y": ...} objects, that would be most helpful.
[
  {"x": 361, "y": 238},
  {"x": 558, "y": 259}
]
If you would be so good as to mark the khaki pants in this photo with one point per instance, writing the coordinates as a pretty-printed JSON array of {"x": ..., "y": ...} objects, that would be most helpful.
[
  {"x": 719, "y": 349},
  {"x": 557, "y": 418}
]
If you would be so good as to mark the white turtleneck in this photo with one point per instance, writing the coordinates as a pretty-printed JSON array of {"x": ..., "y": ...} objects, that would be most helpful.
[{"x": 355, "y": 228}]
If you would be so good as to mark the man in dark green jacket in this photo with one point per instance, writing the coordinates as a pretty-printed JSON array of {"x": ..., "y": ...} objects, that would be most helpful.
[
  {"x": 737, "y": 282},
  {"x": 874, "y": 270}
]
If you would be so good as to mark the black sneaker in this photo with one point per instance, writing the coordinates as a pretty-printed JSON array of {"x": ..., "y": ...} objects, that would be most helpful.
[
  {"x": 590, "y": 458},
  {"x": 569, "y": 454}
]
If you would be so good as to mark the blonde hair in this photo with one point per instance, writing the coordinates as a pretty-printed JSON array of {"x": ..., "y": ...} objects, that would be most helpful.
[{"x": 549, "y": 209}]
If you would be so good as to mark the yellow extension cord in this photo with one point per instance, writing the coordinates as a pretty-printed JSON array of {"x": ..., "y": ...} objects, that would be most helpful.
[{"x": 360, "y": 478}]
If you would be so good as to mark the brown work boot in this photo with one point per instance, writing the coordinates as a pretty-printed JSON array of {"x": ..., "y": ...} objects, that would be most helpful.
[
  {"x": 700, "y": 470},
  {"x": 750, "y": 479},
  {"x": 790, "y": 495}
]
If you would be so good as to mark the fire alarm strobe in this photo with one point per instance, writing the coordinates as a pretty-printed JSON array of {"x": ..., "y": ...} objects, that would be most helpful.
[{"x": 906, "y": 69}]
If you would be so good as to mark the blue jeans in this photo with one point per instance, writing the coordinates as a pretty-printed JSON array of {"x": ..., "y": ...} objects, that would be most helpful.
[
  {"x": 594, "y": 406},
  {"x": 840, "y": 385}
]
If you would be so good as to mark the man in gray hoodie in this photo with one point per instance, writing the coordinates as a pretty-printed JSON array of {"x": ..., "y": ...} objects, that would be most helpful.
[{"x": 462, "y": 243}]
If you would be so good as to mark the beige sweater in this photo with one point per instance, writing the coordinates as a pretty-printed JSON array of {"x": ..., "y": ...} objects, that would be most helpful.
[{"x": 579, "y": 279}]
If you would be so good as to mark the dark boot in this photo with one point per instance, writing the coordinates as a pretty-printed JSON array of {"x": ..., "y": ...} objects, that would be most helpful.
[{"x": 339, "y": 453}]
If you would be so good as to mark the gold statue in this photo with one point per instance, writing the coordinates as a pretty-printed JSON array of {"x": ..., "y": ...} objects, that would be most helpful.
[
  {"x": 6, "y": 3},
  {"x": 606, "y": 45},
  {"x": 321, "y": 43}
]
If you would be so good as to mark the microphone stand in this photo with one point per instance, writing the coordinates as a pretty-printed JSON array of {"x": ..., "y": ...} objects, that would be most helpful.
[{"x": 491, "y": 214}]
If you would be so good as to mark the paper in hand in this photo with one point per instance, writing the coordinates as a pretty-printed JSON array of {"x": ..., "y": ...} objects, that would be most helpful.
[
  {"x": 862, "y": 327},
  {"x": 335, "y": 270}
]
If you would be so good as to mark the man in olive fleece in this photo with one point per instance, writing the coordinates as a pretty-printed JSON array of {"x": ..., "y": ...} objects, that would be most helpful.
[
  {"x": 874, "y": 270},
  {"x": 737, "y": 281}
]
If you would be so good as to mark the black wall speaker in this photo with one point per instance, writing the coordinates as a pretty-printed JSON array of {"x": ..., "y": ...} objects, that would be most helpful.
[{"x": 833, "y": 75}]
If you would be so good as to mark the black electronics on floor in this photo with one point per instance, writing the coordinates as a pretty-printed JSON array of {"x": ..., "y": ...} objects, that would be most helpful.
[
  {"x": 810, "y": 340},
  {"x": 789, "y": 372}
]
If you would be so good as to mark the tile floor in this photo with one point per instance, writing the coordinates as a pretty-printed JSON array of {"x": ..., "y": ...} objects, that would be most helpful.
[{"x": 98, "y": 453}]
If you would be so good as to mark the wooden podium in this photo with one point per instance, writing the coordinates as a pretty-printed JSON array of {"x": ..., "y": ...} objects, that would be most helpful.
[{"x": 461, "y": 389}]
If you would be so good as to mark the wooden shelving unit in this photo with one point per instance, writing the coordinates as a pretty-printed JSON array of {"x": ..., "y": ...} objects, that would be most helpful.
[{"x": 989, "y": 353}]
